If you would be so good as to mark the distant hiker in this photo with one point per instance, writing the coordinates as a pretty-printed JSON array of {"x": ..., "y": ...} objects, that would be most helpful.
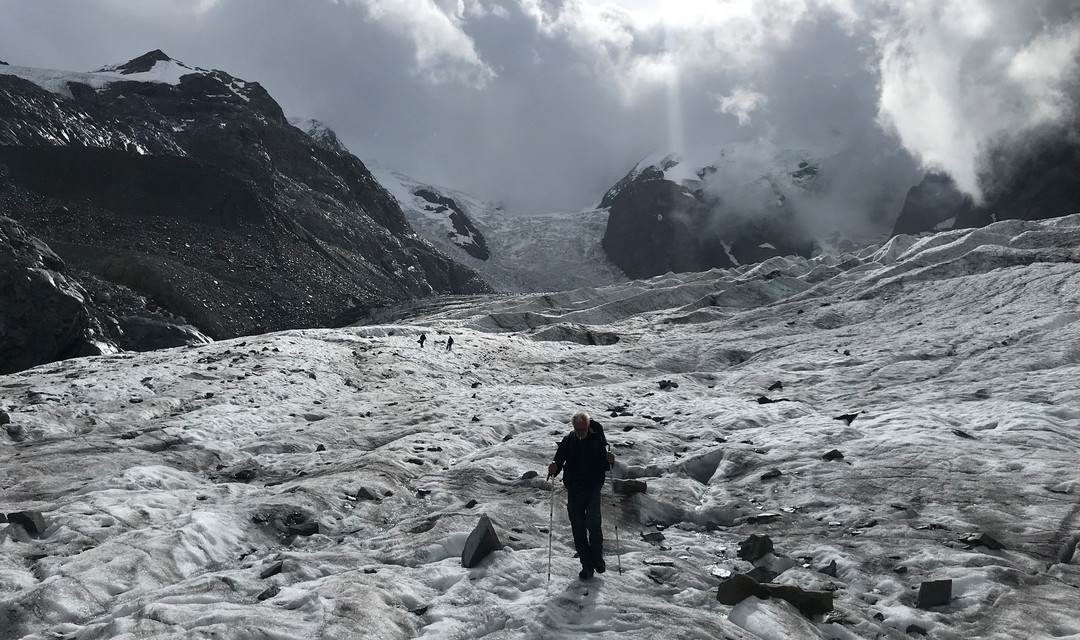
[
  {"x": 422, "y": 340},
  {"x": 450, "y": 343},
  {"x": 583, "y": 454}
]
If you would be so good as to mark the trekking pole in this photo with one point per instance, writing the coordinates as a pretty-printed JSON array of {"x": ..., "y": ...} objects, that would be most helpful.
[
  {"x": 618, "y": 550},
  {"x": 551, "y": 521}
]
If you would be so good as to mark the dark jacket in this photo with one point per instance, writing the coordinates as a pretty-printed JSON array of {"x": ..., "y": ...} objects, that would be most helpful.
[{"x": 584, "y": 459}]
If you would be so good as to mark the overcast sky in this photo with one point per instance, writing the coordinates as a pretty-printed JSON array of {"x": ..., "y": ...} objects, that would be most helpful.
[{"x": 544, "y": 104}]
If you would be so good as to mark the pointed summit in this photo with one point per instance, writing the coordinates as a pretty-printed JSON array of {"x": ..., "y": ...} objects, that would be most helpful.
[{"x": 143, "y": 63}]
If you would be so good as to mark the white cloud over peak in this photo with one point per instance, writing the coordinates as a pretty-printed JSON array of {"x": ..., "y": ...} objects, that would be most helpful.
[
  {"x": 444, "y": 51},
  {"x": 741, "y": 103},
  {"x": 958, "y": 75}
]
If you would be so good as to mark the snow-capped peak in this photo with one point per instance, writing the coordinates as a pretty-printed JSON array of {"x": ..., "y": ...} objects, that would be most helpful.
[{"x": 154, "y": 66}]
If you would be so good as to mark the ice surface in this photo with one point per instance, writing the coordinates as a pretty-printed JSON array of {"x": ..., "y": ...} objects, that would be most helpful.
[{"x": 168, "y": 478}]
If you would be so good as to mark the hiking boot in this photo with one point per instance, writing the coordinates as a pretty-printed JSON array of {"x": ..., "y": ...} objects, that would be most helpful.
[
  {"x": 600, "y": 566},
  {"x": 585, "y": 574}
]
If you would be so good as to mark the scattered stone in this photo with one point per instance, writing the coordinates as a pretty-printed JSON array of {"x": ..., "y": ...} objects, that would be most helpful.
[
  {"x": 809, "y": 603},
  {"x": 915, "y": 629},
  {"x": 848, "y": 418},
  {"x": 982, "y": 540},
  {"x": 470, "y": 504},
  {"x": 272, "y": 570},
  {"x": 420, "y": 610},
  {"x": 900, "y": 570},
  {"x": 830, "y": 569},
  {"x": 476, "y": 418},
  {"x": 668, "y": 384},
  {"x": 869, "y": 524},
  {"x": 529, "y": 475},
  {"x": 739, "y": 587},
  {"x": 659, "y": 562},
  {"x": 425, "y": 526},
  {"x": 416, "y": 461},
  {"x": 654, "y": 536},
  {"x": 475, "y": 385},
  {"x": 420, "y": 493},
  {"x": 766, "y": 400},
  {"x": 371, "y": 570},
  {"x": 628, "y": 487},
  {"x": 365, "y": 494},
  {"x": 32, "y": 521},
  {"x": 934, "y": 593},
  {"x": 761, "y": 574},
  {"x": 963, "y": 434},
  {"x": 507, "y": 438},
  {"x": 4, "y": 418},
  {"x": 759, "y": 518},
  {"x": 776, "y": 386},
  {"x": 879, "y": 616},
  {"x": 755, "y": 547},
  {"x": 314, "y": 417},
  {"x": 771, "y": 473},
  {"x": 847, "y": 352},
  {"x": 482, "y": 541},
  {"x": 270, "y": 592},
  {"x": 833, "y": 455},
  {"x": 321, "y": 447}
]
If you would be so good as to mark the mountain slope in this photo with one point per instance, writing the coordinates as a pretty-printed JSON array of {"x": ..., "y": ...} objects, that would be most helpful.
[
  {"x": 513, "y": 253},
  {"x": 190, "y": 190}
]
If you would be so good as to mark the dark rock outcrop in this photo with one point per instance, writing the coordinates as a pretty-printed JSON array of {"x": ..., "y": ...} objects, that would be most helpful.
[
  {"x": 1033, "y": 178},
  {"x": 44, "y": 315},
  {"x": 465, "y": 233},
  {"x": 657, "y": 225},
  {"x": 199, "y": 201},
  {"x": 933, "y": 201}
]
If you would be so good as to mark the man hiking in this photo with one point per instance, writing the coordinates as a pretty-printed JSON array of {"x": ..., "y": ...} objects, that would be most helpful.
[{"x": 583, "y": 454}]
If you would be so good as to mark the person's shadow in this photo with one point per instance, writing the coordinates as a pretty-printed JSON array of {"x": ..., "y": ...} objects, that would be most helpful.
[{"x": 573, "y": 609}]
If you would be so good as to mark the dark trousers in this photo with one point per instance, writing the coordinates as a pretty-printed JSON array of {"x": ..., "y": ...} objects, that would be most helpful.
[{"x": 583, "y": 507}]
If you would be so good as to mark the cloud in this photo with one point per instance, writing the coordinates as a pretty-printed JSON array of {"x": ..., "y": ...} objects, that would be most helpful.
[
  {"x": 444, "y": 52},
  {"x": 956, "y": 75},
  {"x": 741, "y": 103},
  {"x": 543, "y": 104}
]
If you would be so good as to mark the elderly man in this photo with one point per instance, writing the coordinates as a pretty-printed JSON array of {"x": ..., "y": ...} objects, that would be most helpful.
[{"x": 584, "y": 456}]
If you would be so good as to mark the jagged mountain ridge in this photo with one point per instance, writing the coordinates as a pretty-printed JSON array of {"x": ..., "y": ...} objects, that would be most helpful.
[{"x": 190, "y": 188}]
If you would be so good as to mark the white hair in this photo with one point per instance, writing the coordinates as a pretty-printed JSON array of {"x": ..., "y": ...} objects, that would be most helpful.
[{"x": 580, "y": 418}]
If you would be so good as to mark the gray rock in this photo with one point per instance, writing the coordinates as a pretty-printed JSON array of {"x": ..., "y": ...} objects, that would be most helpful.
[
  {"x": 4, "y": 418},
  {"x": 739, "y": 587},
  {"x": 848, "y": 418},
  {"x": 830, "y": 570},
  {"x": 915, "y": 630},
  {"x": 771, "y": 473},
  {"x": 481, "y": 542},
  {"x": 269, "y": 592},
  {"x": 148, "y": 334},
  {"x": 761, "y": 574},
  {"x": 934, "y": 593},
  {"x": 32, "y": 521},
  {"x": 755, "y": 547},
  {"x": 982, "y": 540},
  {"x": 529, "y": 475},
  {"x": 365, "y": 494},
  {"x": 833, "y": 455},
  {"x": 668, "y": 384},
  {"x": 654, "y": 536},
  {"x": 809, "y": 603},
  {"x": 628, "y": 487},
  {"x": 272, "y": 570}
]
